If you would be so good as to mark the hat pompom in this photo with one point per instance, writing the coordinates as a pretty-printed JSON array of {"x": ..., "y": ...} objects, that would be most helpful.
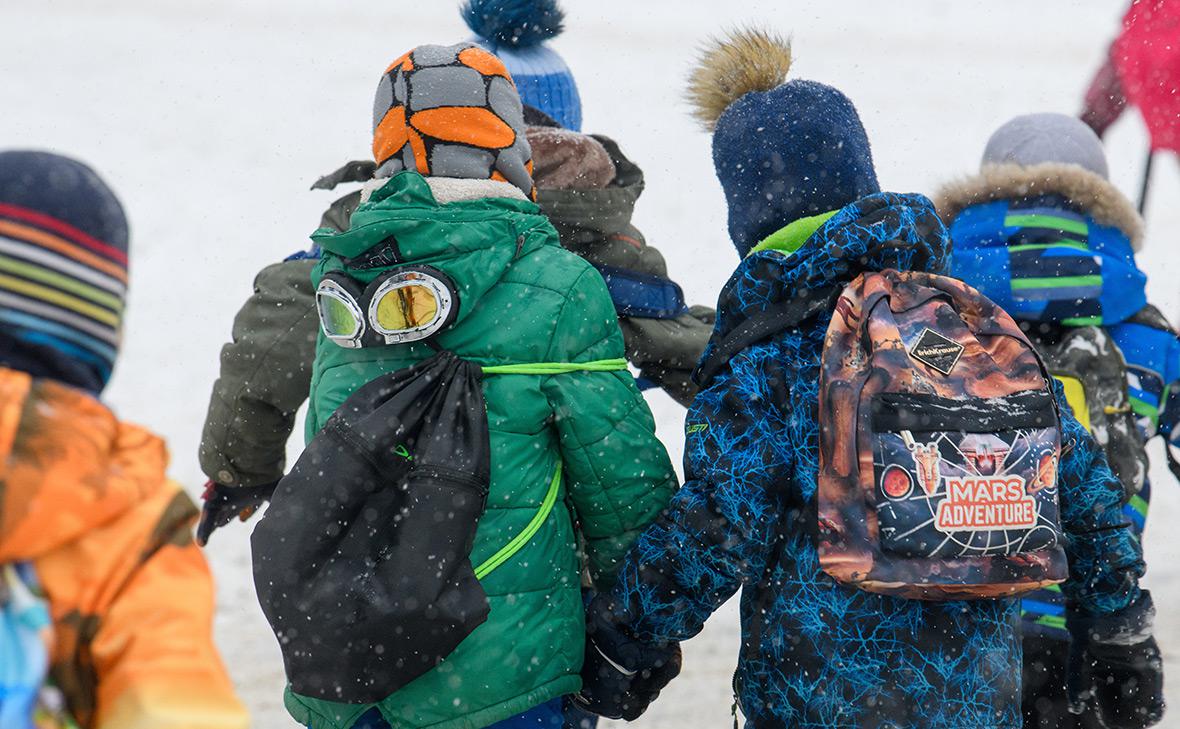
[
  {"x": 514, "y": 23},
  {"x": 744, "y": 60}
]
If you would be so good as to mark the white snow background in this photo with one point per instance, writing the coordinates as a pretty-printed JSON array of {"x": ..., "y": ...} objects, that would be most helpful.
[{"x": 212, "y": 119}]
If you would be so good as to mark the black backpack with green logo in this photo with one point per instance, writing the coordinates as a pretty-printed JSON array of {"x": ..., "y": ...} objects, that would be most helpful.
[{"x": 362, "y": 562}]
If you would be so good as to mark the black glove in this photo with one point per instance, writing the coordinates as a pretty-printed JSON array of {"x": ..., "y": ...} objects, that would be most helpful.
[
  {"x": 620, "y": 675},
  {"x": 1115, "y": 665},
  {"x": 1128, "y": 684},
  {"x": 223, "y": 503}
]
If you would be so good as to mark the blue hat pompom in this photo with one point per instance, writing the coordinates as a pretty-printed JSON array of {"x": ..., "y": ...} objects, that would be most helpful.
[
  {"x": 516, "y": 31},
  {"x": 514, "y": 23}
]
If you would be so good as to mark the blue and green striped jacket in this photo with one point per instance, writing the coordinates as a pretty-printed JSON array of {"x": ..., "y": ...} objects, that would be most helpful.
[{"x": 1044, "y": 262}]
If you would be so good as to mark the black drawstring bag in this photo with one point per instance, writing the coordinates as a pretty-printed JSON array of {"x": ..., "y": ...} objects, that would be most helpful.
[{"x": 362, "y": 562}]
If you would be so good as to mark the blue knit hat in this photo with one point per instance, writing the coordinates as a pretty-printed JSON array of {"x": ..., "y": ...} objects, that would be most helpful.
[
  {"x": 516, "y": 31},
  {"x": 63, "y": 268},
  {"x": 782, "y": 151}
]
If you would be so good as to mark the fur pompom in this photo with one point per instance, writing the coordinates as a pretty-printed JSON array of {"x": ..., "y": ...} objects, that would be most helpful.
[
  {"x": 514, "y": 23},
  {"x": 745, "y": 60}
]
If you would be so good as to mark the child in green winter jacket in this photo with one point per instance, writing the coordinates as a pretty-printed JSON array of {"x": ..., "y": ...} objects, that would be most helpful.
[
  {"x": 586, "y": 186},
  {"x": 453, "y": 194}
]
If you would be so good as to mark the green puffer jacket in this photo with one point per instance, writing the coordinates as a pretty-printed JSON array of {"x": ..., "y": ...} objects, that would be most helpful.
[{"x": 522, "y": 299}]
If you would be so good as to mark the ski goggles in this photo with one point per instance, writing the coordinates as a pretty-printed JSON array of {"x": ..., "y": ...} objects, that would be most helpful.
[{"x": 402, "y": 305}]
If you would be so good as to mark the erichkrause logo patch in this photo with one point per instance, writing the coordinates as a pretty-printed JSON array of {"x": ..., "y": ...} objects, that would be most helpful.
[{"x": 936, "y": 351}]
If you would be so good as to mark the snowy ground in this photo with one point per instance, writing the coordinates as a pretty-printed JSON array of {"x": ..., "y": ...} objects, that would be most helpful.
[{"x": 211, "y": 119}]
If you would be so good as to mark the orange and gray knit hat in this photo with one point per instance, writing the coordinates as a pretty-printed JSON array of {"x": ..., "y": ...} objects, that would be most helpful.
[{"x": 451, "y": 111}]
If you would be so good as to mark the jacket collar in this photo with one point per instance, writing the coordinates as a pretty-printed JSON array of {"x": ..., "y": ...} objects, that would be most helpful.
[
  {"x": 791, "y": 237},
  {"x": 408, "y": 207},
  {"x": 446, "y": 190},
  {"x": 878, "y": 232},
  {"x": 1081, "y": 189}
]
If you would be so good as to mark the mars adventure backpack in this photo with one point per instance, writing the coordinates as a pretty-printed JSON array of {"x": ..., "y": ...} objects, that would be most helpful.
[{"x": 939, "y": 445}]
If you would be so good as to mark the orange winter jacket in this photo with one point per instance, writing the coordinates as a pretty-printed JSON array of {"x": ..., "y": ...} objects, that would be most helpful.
[{"x": 84, "y": 498}]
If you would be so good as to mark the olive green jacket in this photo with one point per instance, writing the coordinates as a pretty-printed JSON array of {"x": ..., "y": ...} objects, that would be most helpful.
[{"x": 265, "y": 371}]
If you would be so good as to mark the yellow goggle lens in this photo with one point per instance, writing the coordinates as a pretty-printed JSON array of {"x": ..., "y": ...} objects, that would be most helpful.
[
  {"x": 339, "y": 320},
  {"x": 407, "y": 307}
]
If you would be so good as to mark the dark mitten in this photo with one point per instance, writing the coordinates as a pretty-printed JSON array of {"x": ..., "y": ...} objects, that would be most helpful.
[
  {"x": 621, "y": 676},
  {"x": 223, "y": 503},
  {"x": 1115, "y": 664},
  {"x": 1128, "y": 683},
  {"x": 703, "y": 314}
]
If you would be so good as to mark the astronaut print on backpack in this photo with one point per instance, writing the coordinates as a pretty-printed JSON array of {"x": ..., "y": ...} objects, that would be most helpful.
[{"x": 985, "y": 484}]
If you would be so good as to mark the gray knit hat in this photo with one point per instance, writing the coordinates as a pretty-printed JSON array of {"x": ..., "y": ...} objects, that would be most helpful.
[{"x": 1034, "y": 139}]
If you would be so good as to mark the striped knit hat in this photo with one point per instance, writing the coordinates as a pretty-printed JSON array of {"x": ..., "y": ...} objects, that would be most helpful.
[
  {"x": 451, "y": 111},
  {"x": 63, "y": 261}
]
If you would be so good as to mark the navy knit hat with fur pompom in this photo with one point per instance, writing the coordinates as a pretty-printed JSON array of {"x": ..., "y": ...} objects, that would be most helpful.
[
  {"x": 516, "y": 31},
  {"x": 782, "y": 151}
]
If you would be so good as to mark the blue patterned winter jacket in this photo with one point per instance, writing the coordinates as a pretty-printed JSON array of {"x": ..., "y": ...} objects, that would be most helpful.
[{"x": 815, "y": 653}]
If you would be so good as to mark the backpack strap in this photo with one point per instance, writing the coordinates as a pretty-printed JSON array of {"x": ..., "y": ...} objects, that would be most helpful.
[
  {"x": 762, "y": 325},
  {"x": 518, "y": 542},
  {"x": 506, "y": 552}
]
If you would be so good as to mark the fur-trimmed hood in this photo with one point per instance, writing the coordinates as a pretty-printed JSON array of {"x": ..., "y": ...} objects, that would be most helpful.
[{"x": 1095, "y": 196}]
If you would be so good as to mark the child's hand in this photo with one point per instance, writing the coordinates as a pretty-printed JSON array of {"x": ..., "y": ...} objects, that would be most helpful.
[
  {"x": 621, "y": 676},
  {"x": 1115, "y": 666},
  {"x": 223, "y": 503}
]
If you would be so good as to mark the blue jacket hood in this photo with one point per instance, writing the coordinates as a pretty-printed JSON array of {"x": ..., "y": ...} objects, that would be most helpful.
[{"x": 1043, "y": 261}]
